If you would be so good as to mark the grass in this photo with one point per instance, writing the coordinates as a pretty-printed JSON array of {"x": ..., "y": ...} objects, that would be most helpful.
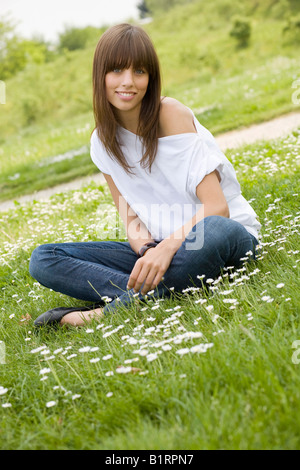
[
  {"x": 41, "y": 157},
  {"x": 201, "y": 370}
]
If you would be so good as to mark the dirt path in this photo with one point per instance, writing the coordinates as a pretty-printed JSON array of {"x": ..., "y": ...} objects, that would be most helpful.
[
  {"x": 46, "y": 193},
  {"x": 276, "y": 128}
]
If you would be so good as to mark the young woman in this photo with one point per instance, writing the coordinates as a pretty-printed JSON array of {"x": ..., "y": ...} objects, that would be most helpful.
[{"x": 176, "y": 192}]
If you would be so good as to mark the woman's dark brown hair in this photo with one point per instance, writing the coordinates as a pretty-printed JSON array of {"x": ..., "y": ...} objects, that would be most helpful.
[{"x": 120, "y": 47}]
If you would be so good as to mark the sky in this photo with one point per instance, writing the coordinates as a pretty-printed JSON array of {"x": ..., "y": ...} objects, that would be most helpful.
[{"x": 48, "y": 18}]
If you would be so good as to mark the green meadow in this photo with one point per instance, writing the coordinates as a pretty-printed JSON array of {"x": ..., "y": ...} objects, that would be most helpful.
[
  {"x": 202, "y": 370},
  {"x": 205, "y": 369}
]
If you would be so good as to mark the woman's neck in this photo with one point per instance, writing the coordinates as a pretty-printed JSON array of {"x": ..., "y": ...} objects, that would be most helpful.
[{"x": 129, "y": 120}]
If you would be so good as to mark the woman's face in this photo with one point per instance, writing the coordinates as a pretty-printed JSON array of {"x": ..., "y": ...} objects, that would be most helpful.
[{"x": 125, "y": 89}]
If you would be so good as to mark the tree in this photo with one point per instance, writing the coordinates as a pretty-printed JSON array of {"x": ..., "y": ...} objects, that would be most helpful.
[
  {"x": 241, "y": 30},
  {"x": 77, "y": 38},
  {"x": 143, "y": 9},
  {"x": 292, "y": 28},
  {"x": 164, "y": 5},
  {"x": 16, "y": 52}
]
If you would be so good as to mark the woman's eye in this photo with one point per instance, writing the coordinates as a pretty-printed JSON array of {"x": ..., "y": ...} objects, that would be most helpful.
[
  {"x": 116, "y": 70},
  {"x": 140, "y": 71}
]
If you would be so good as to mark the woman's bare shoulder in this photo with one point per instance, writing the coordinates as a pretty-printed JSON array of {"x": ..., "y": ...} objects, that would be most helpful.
[{"x": 175, "y": 118}]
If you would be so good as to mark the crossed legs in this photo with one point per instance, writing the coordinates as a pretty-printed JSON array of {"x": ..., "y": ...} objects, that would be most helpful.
[{"x": 93, "y": 270}]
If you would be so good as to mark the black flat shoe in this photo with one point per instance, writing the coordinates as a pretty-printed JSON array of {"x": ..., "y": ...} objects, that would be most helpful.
[{"x": 53, "y": 317}]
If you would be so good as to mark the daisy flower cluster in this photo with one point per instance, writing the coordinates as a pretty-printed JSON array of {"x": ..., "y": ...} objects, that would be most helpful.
[
  {"x": 276, "y": 157},
  {"x": 132, "y": 347},
  {"x": 39, "y": 218}
]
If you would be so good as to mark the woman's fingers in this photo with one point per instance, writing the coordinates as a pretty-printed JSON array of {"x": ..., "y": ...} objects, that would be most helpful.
[
  {"x": 148, "y": 285},
  {"x": 149, "y": 270},
  {"x": 152, "y": 284},
  {"x": 137, "y": 276},
  {"x": 143, "y": 275}
]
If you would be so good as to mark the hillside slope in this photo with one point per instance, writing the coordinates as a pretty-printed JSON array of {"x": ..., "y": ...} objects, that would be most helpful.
[{"x": 200, "y": 63}]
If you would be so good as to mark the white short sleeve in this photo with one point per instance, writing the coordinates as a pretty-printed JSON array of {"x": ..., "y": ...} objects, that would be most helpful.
[
  {"x": 206, "y": 158},
  {"x": 99, "y": 154}
]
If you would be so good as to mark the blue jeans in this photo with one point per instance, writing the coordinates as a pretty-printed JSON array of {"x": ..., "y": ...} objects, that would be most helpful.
[{"x": 91, "y": 270}]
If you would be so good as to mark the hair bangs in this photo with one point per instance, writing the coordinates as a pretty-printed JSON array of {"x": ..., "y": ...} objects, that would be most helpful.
[{"x": 130, "y": 50}]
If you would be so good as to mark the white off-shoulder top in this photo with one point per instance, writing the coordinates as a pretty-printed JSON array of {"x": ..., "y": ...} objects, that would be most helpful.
[{"x": 165, "y": 198}]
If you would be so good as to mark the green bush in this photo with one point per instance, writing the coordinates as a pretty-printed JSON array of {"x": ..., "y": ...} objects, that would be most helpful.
[
  {"x": 16, "y": 52},
  {"x": 78, "y": 38},
  {"x": 280, "y": 9},
  {"x": 158, "y": 6},
  {"x": 143, "y": 8},
  {"x": 241, "y": 30},
  {"x": 292, "y": 28},
  {"x": 30, "y": 107}
]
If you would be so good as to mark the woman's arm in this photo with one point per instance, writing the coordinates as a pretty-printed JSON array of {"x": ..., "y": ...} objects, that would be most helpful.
[{"x": 137, "y": 233}]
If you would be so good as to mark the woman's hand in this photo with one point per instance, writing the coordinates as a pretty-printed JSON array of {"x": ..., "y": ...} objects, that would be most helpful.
[{"x": 149, "y": 269}]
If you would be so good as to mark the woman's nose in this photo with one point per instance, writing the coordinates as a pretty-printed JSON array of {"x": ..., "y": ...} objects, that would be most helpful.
[{"x": 127, "y": 77}]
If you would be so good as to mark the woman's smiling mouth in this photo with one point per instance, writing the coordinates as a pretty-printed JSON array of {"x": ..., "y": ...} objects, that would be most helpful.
[{"x": 125, "y": 95}]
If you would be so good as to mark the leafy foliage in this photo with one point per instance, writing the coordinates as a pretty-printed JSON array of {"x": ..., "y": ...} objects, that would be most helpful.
[
  {"x": 241, "y": 30},
  {"x": 16, "y": 52},
  {"x": 143, "y": 9},
  {"x": 157, "y": 6},
  {"x": 292, "y": 28},
  {"x": 78, "y": 38}
]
